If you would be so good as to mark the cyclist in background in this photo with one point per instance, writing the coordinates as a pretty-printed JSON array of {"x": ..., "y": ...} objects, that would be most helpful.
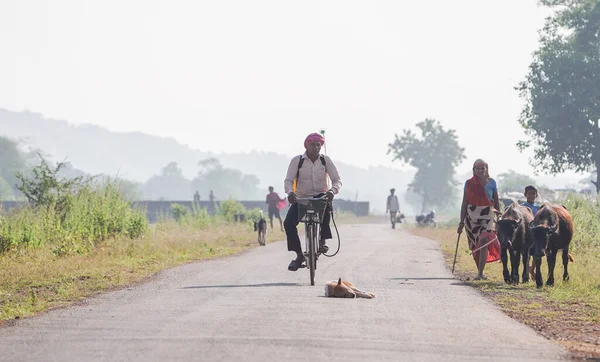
[{"x": 307, "y": 176}]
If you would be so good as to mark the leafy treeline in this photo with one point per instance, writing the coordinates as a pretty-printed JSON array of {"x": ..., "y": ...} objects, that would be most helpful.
[
  {"x": 168, "y": 184},
  {"x": 561, "y": 115},
  {"x": 226, "y": 183}
]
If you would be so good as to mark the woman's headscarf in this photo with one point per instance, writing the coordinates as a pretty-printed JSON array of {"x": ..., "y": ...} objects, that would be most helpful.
[
  {"x": 479, "y": 161},
  {"x": 475, "y": 190},
  {"x": 312, "y": 138}
]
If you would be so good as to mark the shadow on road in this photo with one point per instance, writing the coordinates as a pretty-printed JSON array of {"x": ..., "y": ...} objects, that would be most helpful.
[
  {"x": 242, "y": 285},
  {"x": 409, "y": 278}
]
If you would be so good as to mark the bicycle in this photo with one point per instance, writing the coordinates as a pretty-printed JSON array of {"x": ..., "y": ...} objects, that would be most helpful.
[{"x": 311, "y": 212}]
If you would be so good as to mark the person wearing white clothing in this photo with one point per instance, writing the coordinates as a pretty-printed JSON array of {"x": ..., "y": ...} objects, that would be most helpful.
[
  {"x": 308, "y": 176},
  {"x": 392, "y": 206}
]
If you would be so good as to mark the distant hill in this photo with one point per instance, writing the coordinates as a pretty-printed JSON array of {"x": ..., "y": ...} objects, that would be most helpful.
[{"x": 138, "y": 156}]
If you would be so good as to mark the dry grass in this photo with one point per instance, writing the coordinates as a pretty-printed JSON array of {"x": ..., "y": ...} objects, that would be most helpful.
[
  {"x": 36, "y": 280},
  {"x": 568, "y": 313}
]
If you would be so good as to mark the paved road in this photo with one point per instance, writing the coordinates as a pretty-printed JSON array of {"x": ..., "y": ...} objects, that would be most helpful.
[{"x": 250, "y": 308}]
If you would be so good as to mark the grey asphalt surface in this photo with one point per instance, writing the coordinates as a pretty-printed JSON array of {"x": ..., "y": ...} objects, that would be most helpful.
[{"x": 249, "y": 307}]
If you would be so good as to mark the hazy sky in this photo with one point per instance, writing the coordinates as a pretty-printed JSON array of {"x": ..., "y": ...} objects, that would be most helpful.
[{"x": 241, "y": 75}]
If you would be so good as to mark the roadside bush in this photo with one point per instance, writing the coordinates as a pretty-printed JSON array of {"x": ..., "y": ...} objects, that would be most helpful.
[
  {"x": 586, "y": 221},
  {"x": 69, "y": 215},
  {"x": 230, "y": 208},
  {"x": 197, "y": 217}
]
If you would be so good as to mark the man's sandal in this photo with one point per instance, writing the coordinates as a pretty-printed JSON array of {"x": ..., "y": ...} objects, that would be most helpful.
[{"x": 294, "y": 265}]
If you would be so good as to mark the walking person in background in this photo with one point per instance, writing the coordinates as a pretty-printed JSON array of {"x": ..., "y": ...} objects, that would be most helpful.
[
  {"x": 479, "y": 207},
  {"x": 392, "y": 206},
  {"x": 211, "y": 205},
  {"x": 274, "y": 202}
]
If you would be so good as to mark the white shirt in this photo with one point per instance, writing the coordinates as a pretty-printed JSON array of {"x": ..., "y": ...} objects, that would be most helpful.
[
  {"x": 313, "y": 178},
  {"x": 392, "y": 203}
]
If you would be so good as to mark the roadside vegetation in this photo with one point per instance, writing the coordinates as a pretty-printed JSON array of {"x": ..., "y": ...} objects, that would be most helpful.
[
  {"x": 569, "y": 312},
  {"x": 80, "y": 236}
]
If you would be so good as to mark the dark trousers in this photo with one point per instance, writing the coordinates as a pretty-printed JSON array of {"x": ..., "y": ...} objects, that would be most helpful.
[{"x": 291, "y": 228}]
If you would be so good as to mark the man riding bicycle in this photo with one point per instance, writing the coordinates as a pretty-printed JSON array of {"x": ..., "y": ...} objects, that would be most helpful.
[{"x": 307, "y": 177}]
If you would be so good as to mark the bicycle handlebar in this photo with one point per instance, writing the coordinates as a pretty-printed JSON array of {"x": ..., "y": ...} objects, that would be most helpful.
[{"x": 311, "y": 198}]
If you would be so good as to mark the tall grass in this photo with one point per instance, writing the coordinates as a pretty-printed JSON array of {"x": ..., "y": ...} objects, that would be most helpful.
[
  {"x": 586, "y": 222},
  {"x": 68, "y": 215},
  {"x": 89, "y": 216},
  {"x": 199, "y": 218}
]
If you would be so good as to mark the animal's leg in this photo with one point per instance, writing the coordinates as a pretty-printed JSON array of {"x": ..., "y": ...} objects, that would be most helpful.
[
  {"x": 265, "y": 234},
  {"x": 538, "y": 272},
  {"x": 565, "y": 257},
  {"x": 504, "y": 258},
  {"x": 514, "y": 266},
  {"x": 361, "y": 294},
  {"x": 349, "y": 285},
  {"x": 525, "y": 275},
  {"x": 551, "y": 263}
]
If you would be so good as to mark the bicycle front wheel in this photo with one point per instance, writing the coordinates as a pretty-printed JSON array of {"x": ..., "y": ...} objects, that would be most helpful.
[{"x": 312, "y": 252}]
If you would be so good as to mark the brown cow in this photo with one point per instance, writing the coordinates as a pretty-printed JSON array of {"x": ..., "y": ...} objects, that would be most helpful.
[
  {"x": 515, "y": 239},
  {"x": 552, "y": 230}
]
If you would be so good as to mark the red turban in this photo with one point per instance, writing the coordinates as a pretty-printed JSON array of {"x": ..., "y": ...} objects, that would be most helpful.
[{"x": 313, "y": 137}]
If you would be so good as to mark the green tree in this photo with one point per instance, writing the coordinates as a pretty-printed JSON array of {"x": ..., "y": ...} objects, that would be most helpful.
[
  {"x": 435, "y": 155},
  {"x": 47, "y": 188},
  {"x": 562, "y": 91},
  {"x": 512, "y": 181},
  {"x": 225, "y": 182},
  {"x": 170, "y": 184}
]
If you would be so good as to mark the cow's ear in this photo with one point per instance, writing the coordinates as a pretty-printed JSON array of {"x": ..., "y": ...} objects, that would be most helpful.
[{"x": 552, "y": 229}]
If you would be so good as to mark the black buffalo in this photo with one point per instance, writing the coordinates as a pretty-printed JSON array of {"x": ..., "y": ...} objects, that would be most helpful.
[{"x": 516, "y": 239}]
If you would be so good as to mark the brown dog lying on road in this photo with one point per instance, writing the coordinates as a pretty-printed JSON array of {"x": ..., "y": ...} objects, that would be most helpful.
[{"x": 343, "y": 289}]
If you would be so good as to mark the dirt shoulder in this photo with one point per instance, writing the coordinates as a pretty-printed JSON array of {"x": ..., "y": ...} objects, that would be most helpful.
[{"x": 561, "y": 313}]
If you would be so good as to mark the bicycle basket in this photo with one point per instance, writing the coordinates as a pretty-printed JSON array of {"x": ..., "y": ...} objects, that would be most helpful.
[{"x": 311, "y": 210}]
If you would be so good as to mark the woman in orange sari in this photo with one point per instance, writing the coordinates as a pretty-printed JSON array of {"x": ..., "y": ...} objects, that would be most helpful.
[{"x": 479, "y": 207}]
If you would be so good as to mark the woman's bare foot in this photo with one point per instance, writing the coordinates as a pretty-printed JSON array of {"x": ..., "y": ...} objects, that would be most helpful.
[{"x": 480, "y": 277}]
